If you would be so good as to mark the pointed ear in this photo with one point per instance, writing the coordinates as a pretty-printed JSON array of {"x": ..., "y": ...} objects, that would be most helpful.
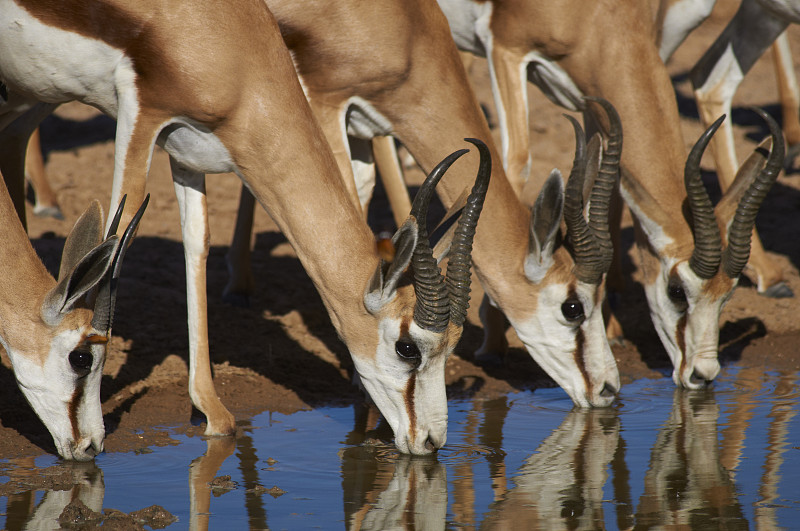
[
  {"x": 726, "y": 208},
  {"x": 545, "y": 221},
  {"x": 383, "y": 284},
  {"x": 84, "y": 236},
  {"x": 75, "y": 283}
]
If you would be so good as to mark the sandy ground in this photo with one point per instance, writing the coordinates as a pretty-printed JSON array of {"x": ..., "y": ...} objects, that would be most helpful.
[{"x": 282, "y": 353}]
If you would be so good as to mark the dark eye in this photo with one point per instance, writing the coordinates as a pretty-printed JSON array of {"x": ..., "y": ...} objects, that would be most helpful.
[
  {"x": 408, "y": 352},
  {"x": 573, "y": 310},
  {"x": 677, "y": 295},
  {"x": 80, "y": 360}
]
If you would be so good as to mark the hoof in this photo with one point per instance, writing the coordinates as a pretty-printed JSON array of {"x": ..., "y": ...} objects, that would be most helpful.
[
  {"x": 778, "y": 291},
  {"x": 239, "y": 300},
  {"x": 48, "y": 212}
]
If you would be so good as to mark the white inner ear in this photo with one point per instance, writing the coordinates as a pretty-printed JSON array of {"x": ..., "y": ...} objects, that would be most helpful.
[
  {"x": 537, "y": 264},
  {"x": 540, "y": 255}
]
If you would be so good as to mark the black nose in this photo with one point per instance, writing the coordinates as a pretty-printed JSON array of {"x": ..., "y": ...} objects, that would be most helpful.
[
  {"x": 698, "y": 379},
  {"x": 608, "y": 390},
  {"x": 91, "y": 450},
  {"x": 431, "y": 445}
]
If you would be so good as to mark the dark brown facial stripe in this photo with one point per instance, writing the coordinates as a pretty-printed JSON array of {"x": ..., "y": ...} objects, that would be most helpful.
[
  {"x": 404, "y": 324},
  {"x": 72, "y": 409},
  {"x": 680, "y": 339},
  {"x": 580, "y": 360},
  {"x": 412, "y": 415}
]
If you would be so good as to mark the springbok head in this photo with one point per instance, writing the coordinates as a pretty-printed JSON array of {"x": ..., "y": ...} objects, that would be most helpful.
[
  {"x": 57, "y": 339},
  {"x": 565, "y": 333},
  {"x": 689, "y": 276},
  {"x": 420, "y": 315}
]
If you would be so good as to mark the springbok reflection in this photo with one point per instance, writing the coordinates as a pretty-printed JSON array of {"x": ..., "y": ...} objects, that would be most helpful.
[
  {"x": 386, "y": 490},
  {"x": 561, "y": 485},
  {"x": 87, "y": 487},
  {"x": 686, "y": 484}
]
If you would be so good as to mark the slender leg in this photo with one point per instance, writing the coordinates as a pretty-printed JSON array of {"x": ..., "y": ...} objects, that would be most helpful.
[
  {"x": 363, "y": 168},
  {"x": 13, "y": 143},
  {"x": 190, "y": 189},
  {"x": 789, "y": 95},
  {"x": 391, "y": 174},
  {"x": 495, "y": 344},
  {"x": 240, "y": 269},
  {"x": 46, "y": 202},
  {"x": 509, "y": 84}
]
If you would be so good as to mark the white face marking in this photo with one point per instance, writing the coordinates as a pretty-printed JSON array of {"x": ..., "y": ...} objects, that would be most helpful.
[
  {"x": 554, "y": 343},
  {"x": 51, "y": 388},
  {"x": 688, "y": 328},
  {"x": 417, "y": 414}
]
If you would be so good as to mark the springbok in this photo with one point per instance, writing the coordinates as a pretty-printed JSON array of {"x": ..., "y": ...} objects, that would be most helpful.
[
  {"x": 565, "y": 49},
  {"x": 757, "y": 25},
  {"x": 392, "y": 68},
  {"x": 142, "y": 63},
  {"x": 56, "y": 342}
]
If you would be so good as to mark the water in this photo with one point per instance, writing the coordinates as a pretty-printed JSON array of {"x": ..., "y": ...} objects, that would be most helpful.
[{"x": 728, "y": 457}]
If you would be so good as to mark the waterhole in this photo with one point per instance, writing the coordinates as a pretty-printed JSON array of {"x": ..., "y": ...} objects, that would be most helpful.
[{"x": 724, "y": 457}]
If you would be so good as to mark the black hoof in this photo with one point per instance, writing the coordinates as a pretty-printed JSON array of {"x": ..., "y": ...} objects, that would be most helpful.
[{"x": 778, "y": 291}]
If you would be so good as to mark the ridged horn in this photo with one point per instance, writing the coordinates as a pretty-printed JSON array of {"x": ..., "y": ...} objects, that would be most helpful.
[
  {"x": 458, "y": 267},
  {"x": 737, "y": 253},
  {"x": 107, "y": 289},
  {"x": 707, "y": 242},
  {"x": 584, "y": 247},
  {"x": 432, "y": 310},
  {"x": 603, "y": 189}
]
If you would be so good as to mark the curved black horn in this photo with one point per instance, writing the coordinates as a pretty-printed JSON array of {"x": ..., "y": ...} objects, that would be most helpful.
[
  {"x": 604, "y": 186},
  {"x": 432, "y": 310},
  {"x": 458, "y": 266},
  {"x": 107, "y": 289},
  {"x": 583, "y": 244},
  {"x": 738, "y": 251},
  {"x": 707, "y": 242}
]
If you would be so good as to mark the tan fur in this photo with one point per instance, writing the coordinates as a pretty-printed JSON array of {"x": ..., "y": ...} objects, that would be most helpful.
[
  {"x": 24, "y": 282},
  {"x": 264, "y": 120},
  {"x": 414, "y": 76}
]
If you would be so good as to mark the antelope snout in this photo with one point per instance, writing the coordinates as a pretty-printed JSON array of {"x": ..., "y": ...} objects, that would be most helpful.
[
  {"x": 425, "y": 442},
  {"x": 605, "y": 395},
  {"x": 85, "y": 449}
]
